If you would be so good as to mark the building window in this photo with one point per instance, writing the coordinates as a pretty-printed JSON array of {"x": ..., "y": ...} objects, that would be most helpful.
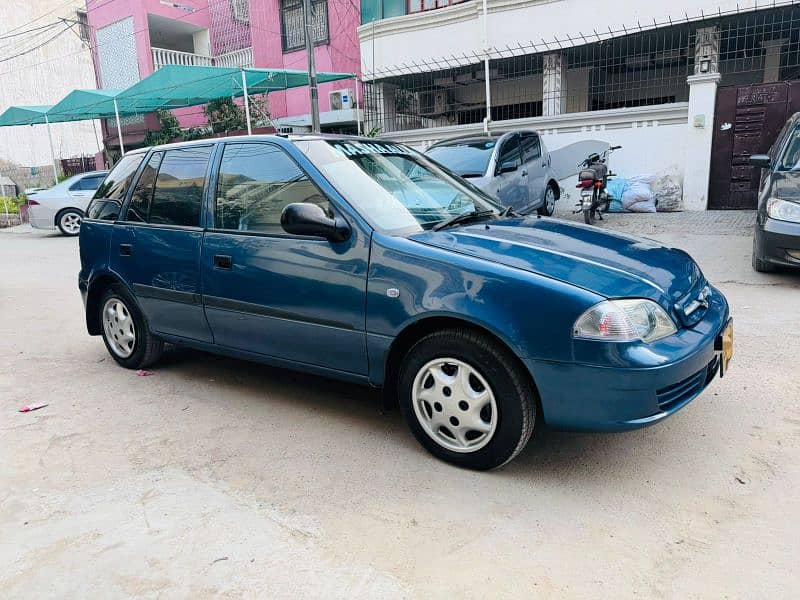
[
  {"x": 241, "y": 10},
  {"x": 293, "y": 26},
  {"x": 83, "y": 25},
  {"x": 420, "y": 5}
]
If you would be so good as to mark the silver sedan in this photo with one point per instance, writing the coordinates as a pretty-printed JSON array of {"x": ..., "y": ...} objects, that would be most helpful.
[{"x": 62, "y": 206}]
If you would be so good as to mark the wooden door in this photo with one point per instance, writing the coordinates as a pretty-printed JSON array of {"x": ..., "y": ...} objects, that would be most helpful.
[{"x": 747, "y": 121}]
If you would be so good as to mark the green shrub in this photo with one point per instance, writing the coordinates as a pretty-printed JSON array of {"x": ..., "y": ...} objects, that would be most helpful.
[
  {"x": 11, "y": 204},
  {"x": 225, "y": 115},
  {"x": 170, "y": 129}
]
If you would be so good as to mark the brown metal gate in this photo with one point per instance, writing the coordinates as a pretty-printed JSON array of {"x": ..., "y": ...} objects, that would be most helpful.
[{"x": 747, "y": 121}]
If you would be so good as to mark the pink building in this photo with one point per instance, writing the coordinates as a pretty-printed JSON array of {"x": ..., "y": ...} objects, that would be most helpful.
[{"x": 132, "y": 39}]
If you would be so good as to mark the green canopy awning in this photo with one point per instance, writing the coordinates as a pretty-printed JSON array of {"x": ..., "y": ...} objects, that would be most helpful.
[
  {"x": 178, "y": 86},
  {"x": 79, "y": 105},
  {"x": 172, "y": 86},
  {"x": 23, "y": 115}
]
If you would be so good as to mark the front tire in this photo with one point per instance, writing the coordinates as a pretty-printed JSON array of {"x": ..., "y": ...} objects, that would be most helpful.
[
  {"x": 759, "y": 264},
  {"x": 69, "y": 221},
  {"x": 126, "y": 332},
  {"x": 466, "y": 399}
]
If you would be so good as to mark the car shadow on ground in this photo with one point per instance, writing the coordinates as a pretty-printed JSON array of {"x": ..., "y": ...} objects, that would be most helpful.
[{"x": 549, "y": 455}]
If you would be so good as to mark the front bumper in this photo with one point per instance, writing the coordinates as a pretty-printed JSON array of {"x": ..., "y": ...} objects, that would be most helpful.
[
  {"x": 589, "y": 397},
  {"x": 778, "y": 242}
]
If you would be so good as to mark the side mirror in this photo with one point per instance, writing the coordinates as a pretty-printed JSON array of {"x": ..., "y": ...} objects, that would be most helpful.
[
  {"x": 304, "y": 218},
  {"x": 762, "y": 161},
  {"x": 508, "y": 167}
]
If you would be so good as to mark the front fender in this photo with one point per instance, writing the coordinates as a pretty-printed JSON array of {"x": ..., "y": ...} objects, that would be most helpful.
[{"x": 531, "y": 313}]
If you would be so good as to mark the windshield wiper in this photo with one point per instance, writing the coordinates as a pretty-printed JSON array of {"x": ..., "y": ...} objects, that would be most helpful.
[
  {"x": 462, "y": 218},
  {"x": 508, "y": 212}
]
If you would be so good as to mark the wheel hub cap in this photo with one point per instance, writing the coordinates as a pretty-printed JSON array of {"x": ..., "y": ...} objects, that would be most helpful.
[
  {"x": 550, "y": 200},
  {"x": 119, "y": 329},
  {"x": 454, "y": 405}
]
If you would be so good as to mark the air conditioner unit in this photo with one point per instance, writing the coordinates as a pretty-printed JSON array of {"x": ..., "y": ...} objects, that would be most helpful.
[
  {"x": 435, "y": 103},
  {"x": 341, "y": 99}
]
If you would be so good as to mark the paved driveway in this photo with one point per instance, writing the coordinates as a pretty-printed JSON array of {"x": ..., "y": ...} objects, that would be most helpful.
[{"x": 219, "y": 477}]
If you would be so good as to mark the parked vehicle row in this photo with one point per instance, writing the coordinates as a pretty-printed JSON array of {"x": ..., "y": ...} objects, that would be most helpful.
[
  {"x": 367, "y": 261},
  {"x": 63, "y": 205}
]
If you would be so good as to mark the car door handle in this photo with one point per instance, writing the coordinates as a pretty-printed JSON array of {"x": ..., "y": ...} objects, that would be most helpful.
[
  {"x": 125, "y": 249},
  {"x": 222, "y": 261}
]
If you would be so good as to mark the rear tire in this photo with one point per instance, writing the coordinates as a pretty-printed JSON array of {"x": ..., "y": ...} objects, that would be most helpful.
[
  {"x": 466, "y": 399},
  {"x": 69, "y": 221},
  {"x": 125, "y": 330},
  {"x": 588, "y": 216},
  {"x": 550, "y": 196}
]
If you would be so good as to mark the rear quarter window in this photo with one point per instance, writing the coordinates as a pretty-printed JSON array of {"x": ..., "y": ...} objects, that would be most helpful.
[{"x": 108, "y": 199}]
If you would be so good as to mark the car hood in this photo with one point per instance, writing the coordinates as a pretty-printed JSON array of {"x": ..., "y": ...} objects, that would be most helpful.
[
  {"x": 480, "y": 182},
  {"x": 609, "y": 264},
  {"x": 786, "y": 186}
]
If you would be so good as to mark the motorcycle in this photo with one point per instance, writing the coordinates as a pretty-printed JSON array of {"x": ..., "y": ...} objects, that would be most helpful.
[{"x": 592, "y": 180}]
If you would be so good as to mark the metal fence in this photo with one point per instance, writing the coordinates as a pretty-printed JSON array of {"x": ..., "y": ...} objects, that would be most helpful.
[{"x": 645, "y": 64}]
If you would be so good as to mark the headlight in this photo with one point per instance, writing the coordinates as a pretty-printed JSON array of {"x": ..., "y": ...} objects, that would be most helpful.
[
  {"x": 783, "y": 210},
  {"x": 623, "y": 321}
]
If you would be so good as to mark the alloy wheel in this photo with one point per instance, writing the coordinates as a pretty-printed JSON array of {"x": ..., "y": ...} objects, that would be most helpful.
[
  {"x": 71, "y": 223},
  {"x": 550, "y": 200}
]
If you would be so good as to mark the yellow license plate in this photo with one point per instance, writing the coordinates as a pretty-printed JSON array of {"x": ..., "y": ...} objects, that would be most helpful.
[{"x": 727, "y": 348}]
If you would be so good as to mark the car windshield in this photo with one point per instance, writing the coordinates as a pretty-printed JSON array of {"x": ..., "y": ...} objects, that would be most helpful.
[
  {"x": 394, "y": 187},
  {"x": 468, "y": 158},
  {"x": 790, "y": 161}
]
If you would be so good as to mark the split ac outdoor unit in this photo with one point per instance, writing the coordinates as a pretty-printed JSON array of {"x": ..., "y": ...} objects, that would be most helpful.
[
  {"x": 341, "y": 99},
  {"x": 435, "y": 103}
]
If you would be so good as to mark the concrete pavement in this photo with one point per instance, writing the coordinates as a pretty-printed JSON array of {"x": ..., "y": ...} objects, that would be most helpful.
[{"x": 216, "y": 477}]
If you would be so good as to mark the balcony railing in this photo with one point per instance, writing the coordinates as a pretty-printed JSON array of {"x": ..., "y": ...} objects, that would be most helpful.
[
  {"x": 237, "y": 58},
  {"x": 162, "y": 56}
]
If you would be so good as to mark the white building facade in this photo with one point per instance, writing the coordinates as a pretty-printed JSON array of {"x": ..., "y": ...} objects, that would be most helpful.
[
  {"x": 643, "y": 75},
  {"x": 42, "y": 58}
]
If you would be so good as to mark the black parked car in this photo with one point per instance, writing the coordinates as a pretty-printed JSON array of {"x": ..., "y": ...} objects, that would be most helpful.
[{"x": 777, "y": 235}]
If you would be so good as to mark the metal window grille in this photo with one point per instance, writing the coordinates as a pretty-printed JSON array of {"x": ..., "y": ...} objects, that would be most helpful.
[
  {"x": 761, "y": 47},
  {"x": 293, "y": 25},
  {"x": 241, "y": 10},
  {"x": 635, "y": 66}
]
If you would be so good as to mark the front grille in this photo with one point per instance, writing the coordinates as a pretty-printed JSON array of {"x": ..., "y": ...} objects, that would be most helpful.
[{"x": 684, "y": 390}]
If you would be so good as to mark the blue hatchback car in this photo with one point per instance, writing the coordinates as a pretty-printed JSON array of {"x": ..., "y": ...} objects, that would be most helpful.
[{"x": 366, "y": 261}]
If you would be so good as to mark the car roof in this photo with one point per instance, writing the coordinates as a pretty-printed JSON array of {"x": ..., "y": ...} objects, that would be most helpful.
[
  {"x": 263, "y": 137},
  {"x": 479, "y": 137},
  {"x": 461, "y": 139}
]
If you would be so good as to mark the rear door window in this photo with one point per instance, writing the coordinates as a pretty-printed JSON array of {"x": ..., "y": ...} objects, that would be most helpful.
[
  {"x": 178, "y": 195},
  {"x": 109, "y": 196}
]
